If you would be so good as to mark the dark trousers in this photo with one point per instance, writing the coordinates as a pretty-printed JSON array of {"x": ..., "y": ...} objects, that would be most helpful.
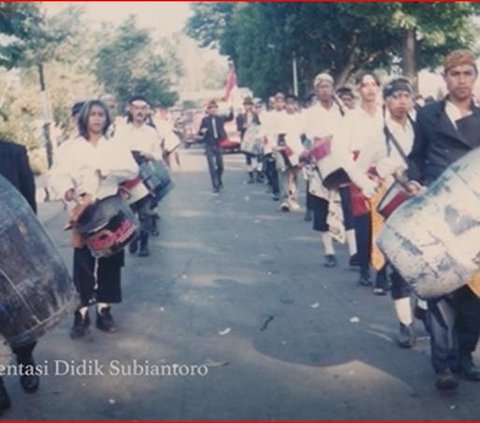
[
  {"x": 24, "y": 352},
  {"x": 320, "y": 213},
  {"x": 308, "y": 197},
  {"x": 215, "y": 165},
  {"x": 347, "y": 208},
  {"x": 363, "y": 235},
  {"x": 105, "y": 287},
  {"x": 454, "y": 328},
  {"x": 272, "y": 173},
  {"x": 144, "y": 210}
]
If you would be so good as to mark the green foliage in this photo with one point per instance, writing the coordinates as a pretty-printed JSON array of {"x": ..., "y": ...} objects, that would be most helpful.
[
  {"x": 128, "y": 64},
  {"x": 341, "y": 38}
]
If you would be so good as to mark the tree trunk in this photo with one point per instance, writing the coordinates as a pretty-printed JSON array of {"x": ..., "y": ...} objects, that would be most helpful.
[
  {"x": 409, "y": 63},
  {"x": 46, "y": 116}
]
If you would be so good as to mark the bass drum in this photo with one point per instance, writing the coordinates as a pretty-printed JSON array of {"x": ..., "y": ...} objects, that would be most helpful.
[
  {"x": 35, "y": 287},
  {"x": 107, "y": 226},
  {"x": 433, "y": 239}
]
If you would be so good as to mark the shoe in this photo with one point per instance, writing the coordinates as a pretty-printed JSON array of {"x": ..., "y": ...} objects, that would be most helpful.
[
  {"x": 133, "y": 246},
  {"x": 365, "y": 280},
  {"x": 80, "y": 325},
  {"x": 276, "y": 197},
  {"x": 216, "y": 190},
  {"x": 406, "y": 337},
  {"x": 284, "y": 207},
  {"x": 308, "y": 216},
  {"x": 5, "y": 403},
  {"x": 446, "y": 381},
  {"x": 294, "y": 206},
  {"x": 330, "y": 261},
  {"x": 468, "y": 370},
  {"x": 353, "y": 261},
  {"x": 105, "y": 321},
  {"x": 380, "y": 284},
  {"x": 144, "y": 251},
  {"x": 251, "y": 179},
  {"x": 379, "y": 291}
]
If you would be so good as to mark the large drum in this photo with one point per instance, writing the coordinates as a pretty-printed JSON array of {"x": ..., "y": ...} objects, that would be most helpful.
[
  {"x": 35, "y": 287},
  {"x": 329, "y": 163},
  {"x": 433, "y": 239},
  {"x": 107, "y": 226}
]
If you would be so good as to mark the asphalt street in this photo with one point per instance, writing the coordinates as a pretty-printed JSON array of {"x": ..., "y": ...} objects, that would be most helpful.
[{"x": 236, "y": 289}]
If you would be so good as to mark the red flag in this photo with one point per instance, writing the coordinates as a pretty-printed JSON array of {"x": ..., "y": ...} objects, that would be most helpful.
[{"x": 231, "y": 81}]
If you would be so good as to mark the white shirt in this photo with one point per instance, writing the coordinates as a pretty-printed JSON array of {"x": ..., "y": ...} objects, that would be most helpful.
[
  {"x": 80, "y": 162},
  {"x": 360, "y": 128},
  {"x": 144, "y": 139},
  {"x": 271, "y": 123}
]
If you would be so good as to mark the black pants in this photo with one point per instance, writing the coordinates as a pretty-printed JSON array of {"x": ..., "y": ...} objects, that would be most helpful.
[
  {"x": 347, "y": 208},
  {"x": 363, "y": 235},
  {"x": 320, "y": 213},
  {"x": 144, "y": 210},
  {"x": 400, "y": 288},
  {"x": 108, "y": 277},
  {"x": 308, "y": 197},
  {"x": 272, "y": 173},
  {"x": 454, "y": 328},
  {"x": 215, "y": 165},
  {"x": 24, "y": 352}
]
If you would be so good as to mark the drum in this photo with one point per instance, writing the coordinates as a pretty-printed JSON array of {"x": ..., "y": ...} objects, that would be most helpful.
[
  {"x": 328, "y": 163},
  {"x": 433, "y": 239},
  {"x": 107, "y": 226},
  {"x": 156, "y": 178},
  {"x": 35, "y": 286},
  {"x": 394, "y": 197}
]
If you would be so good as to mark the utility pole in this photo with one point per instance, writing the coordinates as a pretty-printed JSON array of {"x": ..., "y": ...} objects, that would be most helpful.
[
  {"x": 295, "y": 74},
  {"x": 46, "y": 116}
]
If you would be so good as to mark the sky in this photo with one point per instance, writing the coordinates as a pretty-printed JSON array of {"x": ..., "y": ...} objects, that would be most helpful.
[{"x": 164, "y": 17}]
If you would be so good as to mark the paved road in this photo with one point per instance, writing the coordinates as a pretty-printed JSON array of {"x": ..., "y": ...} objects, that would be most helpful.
[{"x": 239, "y": 287}]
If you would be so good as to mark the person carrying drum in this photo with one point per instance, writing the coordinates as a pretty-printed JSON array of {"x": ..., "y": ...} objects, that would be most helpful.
[
  {"x": 249, "y": 121},
  {"x": 325, "y": 120},
  {"x": 144, "y": 143},
  {"x": 92, "y": 169},
  {"x": 445, "y": 131},
  {"x": 14, "y": 166}
]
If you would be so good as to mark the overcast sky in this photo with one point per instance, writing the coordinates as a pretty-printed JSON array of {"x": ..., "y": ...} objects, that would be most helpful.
[{"x": 164, "y": 17}]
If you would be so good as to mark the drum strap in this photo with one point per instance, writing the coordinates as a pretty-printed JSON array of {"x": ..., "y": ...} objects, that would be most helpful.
[{"x": 391, "y": 138}]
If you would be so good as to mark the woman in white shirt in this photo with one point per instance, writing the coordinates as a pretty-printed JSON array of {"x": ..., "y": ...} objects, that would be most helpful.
[{"x": 91, "y": 169}]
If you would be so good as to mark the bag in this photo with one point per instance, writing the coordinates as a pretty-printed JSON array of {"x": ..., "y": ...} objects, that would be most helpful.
[
  {"x": 322, "y": 148},
  {"x": 392, "y": 199}
]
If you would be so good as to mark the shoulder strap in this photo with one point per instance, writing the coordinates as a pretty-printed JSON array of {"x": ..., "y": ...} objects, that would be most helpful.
[{"x": 391, "y": 137}]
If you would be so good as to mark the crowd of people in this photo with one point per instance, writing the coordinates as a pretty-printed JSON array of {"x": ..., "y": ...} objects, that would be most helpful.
[{"x": 349, "y": 147}]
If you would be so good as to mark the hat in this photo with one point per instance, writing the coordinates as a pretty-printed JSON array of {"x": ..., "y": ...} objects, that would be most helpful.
[
  {"x": 395, "y": 86},
  {"x": 322, "y": 77},
  {"x": 138, "y": 98},
  {"x": 248, "y": 101},
  {"x": 457, "y": 58}
]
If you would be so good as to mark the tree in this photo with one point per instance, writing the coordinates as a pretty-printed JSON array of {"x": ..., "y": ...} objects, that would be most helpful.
[
  {"x": 128, "y": 64},
  {"x": 337, "y": 37}
]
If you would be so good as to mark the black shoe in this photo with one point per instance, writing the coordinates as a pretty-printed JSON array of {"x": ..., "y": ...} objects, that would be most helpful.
[
  {"x": 353, "y": 261},
  {"x": 380, "y": 284},
  {"x": 468, "y": 370},
  {"x": 29, "y": 380},
  {"x": 406, "y": 337},
  {"x": 365, "y": 280},
  {"x": 276, "y": 197},
  {"x": 308, "y": 216},
  {"x": 80, "y": 325},
  {"x": 5, "y": 403},
  {"x": 251, "y": 179},
  {"x": 446, "y": 381},
  {"x": 133, "y": 246},
  {"x": 105, "y": 320},
  {"x": 330, "y": 261}
]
